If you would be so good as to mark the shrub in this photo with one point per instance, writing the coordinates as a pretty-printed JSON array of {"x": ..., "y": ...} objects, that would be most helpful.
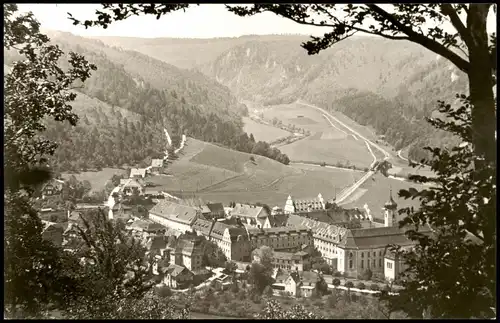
[
  {"x": 386, "y": 288},
  {"x": 336, "y": 282},
  {"x": 354, "y": 297},
  {"x": 337, "y": 274},
  {"x": 252, "y": 158},
  {"x": 367, "y": 274},
  {"x": 164, "y": 292},
  {"x": 374, "y": 287},
  {"x": 360, "y": 285},
  {"x": 349, "y": 284}
]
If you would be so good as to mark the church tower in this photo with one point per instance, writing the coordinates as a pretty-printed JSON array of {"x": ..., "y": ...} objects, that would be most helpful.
[{"x": 390, "y": 210}]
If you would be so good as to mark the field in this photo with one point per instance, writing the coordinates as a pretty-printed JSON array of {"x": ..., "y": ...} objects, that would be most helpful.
[
  {"x": 222, "y": 175},
  {"x": 97, "y": 179},
  {"x": 262, "y": 132},
  {"x": 326, "y": 144},
  {"x": 375, "y": 192}
]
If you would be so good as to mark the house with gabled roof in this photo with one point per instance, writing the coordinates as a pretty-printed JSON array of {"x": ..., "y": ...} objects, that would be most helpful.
[
  {"x": 138, "y": 172},
  {"x": 216, "y": 210},
  {"x": 301, "y": 284},
  {"x": 177, "y": 217},
  {"x": 177, "y": 276},
  {"x": 232, "y": 240},
  {"x": 52, "y": 187},
  {"x": 256, "y": 216}
]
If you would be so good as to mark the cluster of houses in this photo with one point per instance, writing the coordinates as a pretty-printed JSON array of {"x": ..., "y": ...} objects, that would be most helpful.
[
  {"x": 246, "y": 228},
  {"x": 175, "y": 228}
]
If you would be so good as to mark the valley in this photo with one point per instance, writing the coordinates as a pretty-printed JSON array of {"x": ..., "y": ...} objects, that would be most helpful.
[{"x": 218, "y": 103}]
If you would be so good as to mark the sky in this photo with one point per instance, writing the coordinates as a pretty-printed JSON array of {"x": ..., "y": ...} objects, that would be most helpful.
[{"x": 204, "y": 21}]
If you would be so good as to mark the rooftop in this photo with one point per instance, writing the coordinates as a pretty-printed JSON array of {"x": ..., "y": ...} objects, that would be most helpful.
[
  {"x": 175, "y": 212},
  {"x": 251, "y": 211}
]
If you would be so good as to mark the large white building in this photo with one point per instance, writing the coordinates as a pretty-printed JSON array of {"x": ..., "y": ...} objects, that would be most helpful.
[
  {"x": 306, "y": 205},
  {"x": 177, "y": 217}
]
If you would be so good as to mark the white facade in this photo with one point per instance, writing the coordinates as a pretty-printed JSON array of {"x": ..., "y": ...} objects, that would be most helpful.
[
  {"x": 177, "y": 226},
  {"x": 389, "y": 269},
  {"x": 328, "y": 249}
]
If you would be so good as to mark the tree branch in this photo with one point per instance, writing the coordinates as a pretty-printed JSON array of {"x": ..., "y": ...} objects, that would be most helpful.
[
  {"x": 428, "y": 43},
  {"x": 448, "y": 10}
]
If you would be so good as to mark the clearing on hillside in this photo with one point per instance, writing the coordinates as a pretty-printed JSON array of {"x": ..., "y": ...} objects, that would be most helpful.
[
  {"x": 329, "y": 144},
  {"x": 263, "y": 132},
  {"x": 210, "y": 174}
]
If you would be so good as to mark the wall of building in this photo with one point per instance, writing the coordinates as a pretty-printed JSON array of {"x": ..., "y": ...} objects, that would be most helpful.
[
  {"x": 328, "y": 250},
  {"x": 282, "y": 240},
  {"x": 366, "y": 258},
  {"x": 180, "y": 227},
  {"x": 290, "y": 286}
]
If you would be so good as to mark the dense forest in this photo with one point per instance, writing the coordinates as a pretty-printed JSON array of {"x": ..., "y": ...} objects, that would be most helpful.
[{"x": 123, "y": 112}]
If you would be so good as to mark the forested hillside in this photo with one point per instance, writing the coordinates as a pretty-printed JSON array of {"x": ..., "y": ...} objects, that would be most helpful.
[
  {"x": 388, "y": 85},
  {"x": 127, "y": 102}
]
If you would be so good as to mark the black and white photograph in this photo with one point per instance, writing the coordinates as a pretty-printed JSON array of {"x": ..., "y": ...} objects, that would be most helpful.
[{"x": 250, "y": 161}]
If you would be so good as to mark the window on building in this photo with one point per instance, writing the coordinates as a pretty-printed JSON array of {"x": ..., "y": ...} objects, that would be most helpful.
[
  {"x": 362, "y": 265},
  {"x": 380, "y": 262},
  {"x": 373, "y": 263},
  {"x": 362, "y": 255},
  {"x": 350, "y": 254},
  {"x": 380, "y": 253},
  {"x": 389, "y": 265},
  {"x": 350, "y": 264},
  {"x": 374, "y": 254}
]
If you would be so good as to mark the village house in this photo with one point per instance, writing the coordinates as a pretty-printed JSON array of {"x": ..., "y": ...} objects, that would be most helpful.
[
  {"x": 145, "y": 228},
  {"x": 296, "y": 261},
  {"x": 255, "y": 216},
  {"x": 156, "y": 165},
  {"x": 185, "y": 262},
  {"x": 394, "y": 265},
  {"x": 301, "y": 284},
  {"x": 233, "y": 241},
  {"x": 305, "y": 205},
  {"x": 223, "y": 282},
  {"x": 188, "y": 252},
  {"x": 216, "y": 211},
  {"x": 178, "y": 277},
  {"x": 137, "y": 173},
  {"x": 157, "y": 245},
  {"x": 281, "y": 238},
  {"x": 52, "y": 188},
  {"x": 174, "y": 216},
  {"x": 129, "y": 186}
]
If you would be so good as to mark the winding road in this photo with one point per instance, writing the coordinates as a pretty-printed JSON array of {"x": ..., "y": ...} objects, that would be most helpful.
[{"x": 346, "y": 193}]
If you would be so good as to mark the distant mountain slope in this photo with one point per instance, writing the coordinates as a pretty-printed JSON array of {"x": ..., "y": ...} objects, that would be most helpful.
[
  {"x": 389, "y": 85},
  {"x": 130, "y": 99},
  {"x": 183, "y": 53}
]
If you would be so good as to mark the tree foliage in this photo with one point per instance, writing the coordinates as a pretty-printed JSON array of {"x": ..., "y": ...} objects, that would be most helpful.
[
  {"x": 460, "y": 209},
  {"x": 36, "y": 88},
  {"x": 274, "y": 311}
]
